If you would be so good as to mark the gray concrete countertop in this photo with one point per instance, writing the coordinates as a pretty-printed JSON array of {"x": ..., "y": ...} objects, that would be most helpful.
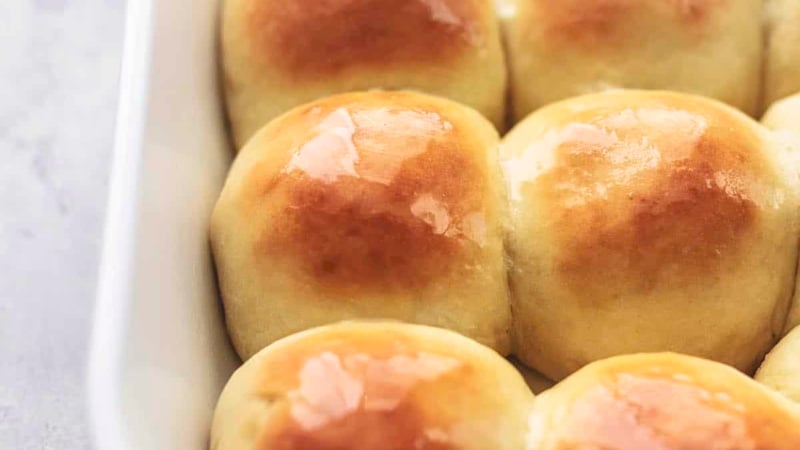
[{"x": 59, "y": 65}]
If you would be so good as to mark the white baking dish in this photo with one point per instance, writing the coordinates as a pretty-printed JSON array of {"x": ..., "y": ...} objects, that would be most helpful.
[{"x": 160, "y": 355}]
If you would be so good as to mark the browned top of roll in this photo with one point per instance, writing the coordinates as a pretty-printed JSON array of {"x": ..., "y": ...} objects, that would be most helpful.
[
  {"x": 314, "y": 38},
  {"x": 681, "y": 216},
  {"x": 668, "y": 402},
  {"x": 366, "y": 390},
  {"x": 379, "y": 192},
  {"x": 644, "y": 189}
]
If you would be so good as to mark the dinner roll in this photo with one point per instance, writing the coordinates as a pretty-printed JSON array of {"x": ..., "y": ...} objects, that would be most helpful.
[
  {"x": 782, "y": 49},
  {"x": 365, "y": 205},
  {"x": 559, "y": 49},
  {"x": 784, "y": 118},
  {"x": 278, "y": 54},
  {"x": 662, "y": 402},
  {"x": 648, "y": 221},
  {"x": 784, "y": 115},
  {"x": 367, "y": 386},
  {"x": 781, "y": 369}
]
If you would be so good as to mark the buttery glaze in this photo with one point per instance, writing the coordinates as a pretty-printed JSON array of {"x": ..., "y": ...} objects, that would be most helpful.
[
  {"x": 595, "y": 23},
  {"x": 366, "y": 204},
  {"x": 362, "y": 390},
  {"x": 644, "y": 197},
  {"x": 668, "y": 407},
  {"x": 314, "y": 38},
  {"x": 373, "y": 385},
  {"x": 359, "y": 401}
]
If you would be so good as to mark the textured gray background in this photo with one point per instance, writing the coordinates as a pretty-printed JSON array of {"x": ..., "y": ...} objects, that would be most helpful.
[{"x": 59, "y": 65}]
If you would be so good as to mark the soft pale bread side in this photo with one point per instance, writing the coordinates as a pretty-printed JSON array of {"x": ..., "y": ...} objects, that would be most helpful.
[
  {"x": 781, "y": 368},
  {"x": 782, "y": 49},
  {"x": 784, "y": 114},
  {"x": 783, "y": 117}
]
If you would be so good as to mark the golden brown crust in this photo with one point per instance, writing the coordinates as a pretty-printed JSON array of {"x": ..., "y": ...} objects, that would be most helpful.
[
  {"x": 670, "y": 402},
  {"x": 365, "y": 205},
  {"x": 360, "y": 393},
  {"x": 596, "y": 23},
  {"x": 373, "y": 385},
  {"x": 647, "y": 196},
  {"x": 314, "y": 38},
  {"x": 662, "y": 405}
]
